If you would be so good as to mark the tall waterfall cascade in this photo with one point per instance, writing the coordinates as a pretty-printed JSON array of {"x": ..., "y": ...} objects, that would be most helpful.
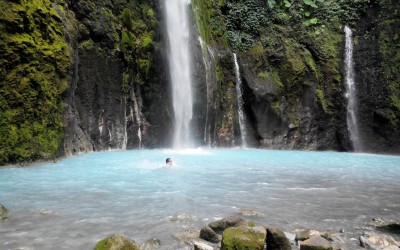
[
  {"x": 352, "y": 124},
  {"x": 239, "y": 94},
  {"x": 178, "y": 32}
]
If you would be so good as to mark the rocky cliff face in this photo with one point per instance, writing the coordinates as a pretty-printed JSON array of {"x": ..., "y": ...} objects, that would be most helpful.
[
  {"x": 377, "y": 65},
  {"x": 293, "y": 72},
  {"x": 118, "y": 97}
]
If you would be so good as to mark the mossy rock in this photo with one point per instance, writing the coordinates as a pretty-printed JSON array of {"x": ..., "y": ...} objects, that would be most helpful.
[
  {"x": 117, "y": 242},
  {"x": 4, "y": 213},
  {"x": 244, "y": 237}
]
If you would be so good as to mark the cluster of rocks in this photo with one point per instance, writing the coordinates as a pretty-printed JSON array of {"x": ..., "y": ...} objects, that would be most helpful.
[{"x": 235, "y": 232}]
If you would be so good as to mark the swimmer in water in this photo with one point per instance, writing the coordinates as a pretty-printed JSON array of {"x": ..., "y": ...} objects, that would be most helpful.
[{"x": 168, "y": 162}]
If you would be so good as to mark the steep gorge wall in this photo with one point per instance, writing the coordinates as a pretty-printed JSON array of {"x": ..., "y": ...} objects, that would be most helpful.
[
  {"x": 377, "y": 65},
  {"x": 291, "y": 61},
  {"x": 119, "y": 101}
]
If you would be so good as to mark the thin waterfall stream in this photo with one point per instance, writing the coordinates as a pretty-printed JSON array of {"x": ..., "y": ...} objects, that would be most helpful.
[
  {"x": 180, "y": 69},
  {"x": 352, "y": 123},
  {"x": 242, "y": 119}
]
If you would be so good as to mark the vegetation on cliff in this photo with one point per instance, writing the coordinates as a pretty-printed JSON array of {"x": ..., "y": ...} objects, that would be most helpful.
[
  {"x": 137, "y": 38},
  {"x": 389, "y": 40},
  {"x": 34, "y": 67},
  {"x": 291, "y": 54}
]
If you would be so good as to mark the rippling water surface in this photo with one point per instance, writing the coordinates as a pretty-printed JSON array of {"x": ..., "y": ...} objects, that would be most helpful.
[{"x": 79, "y": 200}]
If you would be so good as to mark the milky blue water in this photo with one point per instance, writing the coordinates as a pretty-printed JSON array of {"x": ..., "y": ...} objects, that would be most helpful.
[{"x": 73, "y": 203}]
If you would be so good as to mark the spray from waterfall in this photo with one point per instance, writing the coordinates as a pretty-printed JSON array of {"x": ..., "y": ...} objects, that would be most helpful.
[
  {"x": 180, "y": 69},
  {"x": 352, "y": 124},
  {"x": 239, "y": 94}
]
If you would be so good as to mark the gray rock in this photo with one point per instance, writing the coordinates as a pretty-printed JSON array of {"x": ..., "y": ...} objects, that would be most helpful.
[
  {"x": 276, "y": 239},
  {"x": 202, "y": 246},
  {"x": 315, "y": 243},
  {"x": 208, "y": 234},
  {"x": 371, "y": 240},
  {"x": 231, "y": 221},
  {"x": 306, "y": 234}
]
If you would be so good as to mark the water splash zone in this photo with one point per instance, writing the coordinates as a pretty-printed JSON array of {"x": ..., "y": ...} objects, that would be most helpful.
[{"x": 75, "y": 202}]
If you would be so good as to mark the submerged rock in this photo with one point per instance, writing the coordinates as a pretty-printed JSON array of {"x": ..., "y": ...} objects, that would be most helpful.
[
  {"x": 244, "y": 237},
  {"x": 151, "y": 244},
  {"x": 4, "y": 213},
  {"x": 181, "y": 218},
  {"x": 117, "y": 242},
  {"x": 187, "y": 237},
  {"x": 386, "y": 225},
  {"x": 249, "y": 212}
]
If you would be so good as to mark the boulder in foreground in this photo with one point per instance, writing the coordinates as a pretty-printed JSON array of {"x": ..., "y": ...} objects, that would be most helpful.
[
  {"x": 117, "y": 242},
  {"x": 244, "y": 237}
]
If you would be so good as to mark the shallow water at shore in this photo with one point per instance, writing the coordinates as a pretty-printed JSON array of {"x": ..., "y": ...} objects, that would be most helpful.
[{"x": 79, "y": 200}]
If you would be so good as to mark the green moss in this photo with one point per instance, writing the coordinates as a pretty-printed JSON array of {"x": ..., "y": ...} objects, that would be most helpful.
[
  {"x": 322, "y": 100},
  {"x": 210, "y": 22},
  {"x": 137, "y": 40},
  {"x": 34, "y": 73},
  {"x": 391, "y": 66},
  {"x": 276, "y": 106},
  {"x": 116, "y": 242},
  {"x": 273, "y": 76},
  {"x": 295, "y": 60},
  {"x": 144, "y": 65},
  {"x": 242, "y": 238},
  {"x": 87, "y": 45}
]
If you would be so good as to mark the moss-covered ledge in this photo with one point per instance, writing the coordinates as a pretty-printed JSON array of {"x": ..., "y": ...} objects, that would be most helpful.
[{"x": 34, "y": 68}]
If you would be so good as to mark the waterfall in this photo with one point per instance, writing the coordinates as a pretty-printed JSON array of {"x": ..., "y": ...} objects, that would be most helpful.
[
  {"x": 180, "y": 71},
  {"x": 209, "y": 61},
  {"x": 242, "y": 121},
  {"x": 136, "y": 116},
  {"x": 352, "y": 124}
]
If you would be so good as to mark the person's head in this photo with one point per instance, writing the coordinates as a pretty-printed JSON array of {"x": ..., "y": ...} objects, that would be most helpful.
[{"x": 168, "y": 161}]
